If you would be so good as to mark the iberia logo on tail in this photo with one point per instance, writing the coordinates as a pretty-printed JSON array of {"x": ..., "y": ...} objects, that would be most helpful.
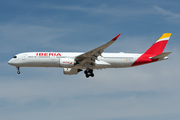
[{"x": 156, "y": 49}]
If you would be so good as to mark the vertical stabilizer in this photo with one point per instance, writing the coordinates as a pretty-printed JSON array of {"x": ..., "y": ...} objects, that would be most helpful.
[
  {"x": 158, "y": 47},
  {"x": 155, "y": 50}
]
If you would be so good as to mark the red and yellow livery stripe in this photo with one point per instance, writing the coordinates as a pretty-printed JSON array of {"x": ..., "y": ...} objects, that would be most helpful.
[
  {"x": 165, "y": 36},
  {"x": 156, "y": 49}
]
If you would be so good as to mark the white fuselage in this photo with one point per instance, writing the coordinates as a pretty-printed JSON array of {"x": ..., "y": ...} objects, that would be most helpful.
[
  {"x": 73, "y": 63},
  {"x": 53, "y": 59}
]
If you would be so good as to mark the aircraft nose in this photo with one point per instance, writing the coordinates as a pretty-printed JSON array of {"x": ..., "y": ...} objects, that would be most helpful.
[{"x": 10, "y": 62}]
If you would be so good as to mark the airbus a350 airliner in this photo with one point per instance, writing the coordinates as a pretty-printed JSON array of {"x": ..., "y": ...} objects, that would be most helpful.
[{"x": 72, "y": 63}]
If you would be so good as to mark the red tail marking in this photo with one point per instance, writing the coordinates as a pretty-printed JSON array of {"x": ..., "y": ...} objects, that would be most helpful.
[
  {"x": 143, "y": 59},
  {"x": 156, "y": 49}
]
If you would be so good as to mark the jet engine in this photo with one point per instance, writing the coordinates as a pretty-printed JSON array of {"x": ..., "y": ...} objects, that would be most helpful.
[
  {"x": 67, "y": 62},
  {"x": 71, "y": 71}
]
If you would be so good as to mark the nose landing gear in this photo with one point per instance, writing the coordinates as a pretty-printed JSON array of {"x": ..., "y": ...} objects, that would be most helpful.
[
  {"x": 18, "y": 68},
  {"x": 89, "y": 72}
]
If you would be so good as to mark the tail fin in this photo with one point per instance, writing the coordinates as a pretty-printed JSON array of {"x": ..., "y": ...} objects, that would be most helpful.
[
  {"x": 158, "y": 47},
  {"x": 154, "y": 53}
]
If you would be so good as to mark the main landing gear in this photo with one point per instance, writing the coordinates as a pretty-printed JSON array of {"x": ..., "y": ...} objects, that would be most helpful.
[
  {"x": 18, "y": 72},
  {"x": 89, "y": 72}
]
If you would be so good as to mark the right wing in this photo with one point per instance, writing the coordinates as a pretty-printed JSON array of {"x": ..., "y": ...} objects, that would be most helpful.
[{"x": 89, "y": 58}]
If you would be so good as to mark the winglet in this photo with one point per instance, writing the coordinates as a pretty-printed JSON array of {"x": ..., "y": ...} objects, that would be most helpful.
[{"x": 115, "y": 38}]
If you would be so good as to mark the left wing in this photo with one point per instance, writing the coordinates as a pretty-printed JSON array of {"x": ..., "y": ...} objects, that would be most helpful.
[{"x": 89, "y": 58}]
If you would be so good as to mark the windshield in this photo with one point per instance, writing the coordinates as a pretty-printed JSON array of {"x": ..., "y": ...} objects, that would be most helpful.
[{"x": 15, "y": 57}]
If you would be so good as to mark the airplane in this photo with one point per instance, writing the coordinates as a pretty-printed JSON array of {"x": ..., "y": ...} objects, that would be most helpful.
[{"x": 72, "y": 63}]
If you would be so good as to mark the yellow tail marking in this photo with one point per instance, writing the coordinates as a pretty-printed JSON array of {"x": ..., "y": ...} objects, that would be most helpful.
[{"x": 165, "y": 35}]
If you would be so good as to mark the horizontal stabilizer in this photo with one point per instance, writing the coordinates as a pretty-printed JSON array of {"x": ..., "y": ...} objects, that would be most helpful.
[{"x": 161, "y": 55}]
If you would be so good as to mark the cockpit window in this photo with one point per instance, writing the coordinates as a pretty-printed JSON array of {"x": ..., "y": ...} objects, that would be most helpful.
[{"x": 15, "y": 57}]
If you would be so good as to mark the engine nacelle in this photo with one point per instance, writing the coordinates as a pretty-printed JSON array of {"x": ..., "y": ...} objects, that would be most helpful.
[
  {"x": 70, "y": 71},
  {"x": 67, "y": 62}
]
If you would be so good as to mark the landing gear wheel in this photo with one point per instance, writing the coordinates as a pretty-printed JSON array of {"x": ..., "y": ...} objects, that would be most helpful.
[
  {"x": 87, "y": 75},
  {"x": 92, "y": 75},
  {"x": 89, "y": 72},
  {"x": 18, "y": 72},
  {"x": 85, "y": 72}
]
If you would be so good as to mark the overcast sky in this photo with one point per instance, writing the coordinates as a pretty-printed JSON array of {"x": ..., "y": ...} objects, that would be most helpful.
[{"x": 148, "y": 92}]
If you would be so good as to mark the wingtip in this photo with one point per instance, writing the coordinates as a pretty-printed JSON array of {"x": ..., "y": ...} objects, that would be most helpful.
[{"x": 115, "y": 38}]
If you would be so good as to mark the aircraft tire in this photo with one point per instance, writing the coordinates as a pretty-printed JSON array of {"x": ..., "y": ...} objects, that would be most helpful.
[
  {"x": 87, "y": 75},
  {"x": 18, "y": 72}
]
